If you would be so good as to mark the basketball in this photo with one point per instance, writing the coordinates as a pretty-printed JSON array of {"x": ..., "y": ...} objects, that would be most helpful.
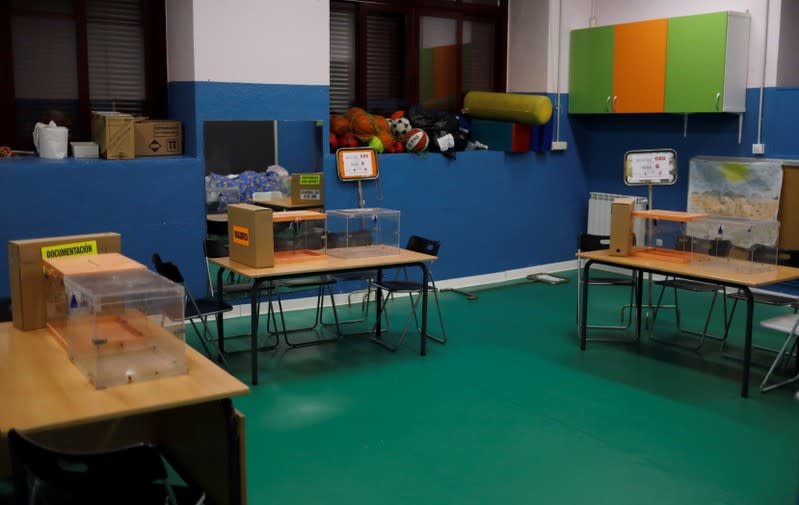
[
  {"x": 363, "y": 126},
  {"x": 400, "y": 127},
  {"x": 416, "y": 141}
]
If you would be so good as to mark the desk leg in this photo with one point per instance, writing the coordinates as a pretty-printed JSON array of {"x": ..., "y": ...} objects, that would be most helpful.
[
  {"x": 750, "y": 307},
  {"x": 220, "y": 325},
  {"x": 584, "y": 307},
  {"x": 425, "y": 281},
  {"x": 639, "y": 297},
  {"x": 378, "y": 304},
  {"x": 254, "y": 330}
]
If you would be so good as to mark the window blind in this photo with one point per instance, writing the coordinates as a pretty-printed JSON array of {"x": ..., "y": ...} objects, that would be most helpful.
[{"x": 342, "y": 60}]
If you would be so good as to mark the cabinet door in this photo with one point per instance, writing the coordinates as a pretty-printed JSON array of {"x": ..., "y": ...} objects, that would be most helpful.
[
  {"x": 591, "y": 70},
  {"x": 639, "y": 67},
  {"x": 695, "y": 63}
]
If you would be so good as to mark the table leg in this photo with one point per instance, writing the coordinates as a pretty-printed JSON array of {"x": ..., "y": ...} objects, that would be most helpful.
[
  {"x": 378, "y": 304},
  {"x": 584, "y": 308},
  {"x": 254, "y": 330},
  {"x": 750, "y": 307},
  {"x": 639, "y": 297},
  {"x": 220, "y": 325},
  {"x": 425, "y": 281}
]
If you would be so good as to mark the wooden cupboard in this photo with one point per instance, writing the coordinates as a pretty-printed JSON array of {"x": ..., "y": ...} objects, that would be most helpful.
[{"x": 682, "y": 64}]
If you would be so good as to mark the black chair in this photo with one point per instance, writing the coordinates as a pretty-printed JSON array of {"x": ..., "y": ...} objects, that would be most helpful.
[
  {"x": 131, "y": 475},
  {"x": 217, "y": 248},
  {"x": 758, "y": 253},
  {"x": 715, "y": 247},
  {"x": 411, "y": 287},
  {"x": 592, "y": 242},
  {"x": 201, "y": 309}
]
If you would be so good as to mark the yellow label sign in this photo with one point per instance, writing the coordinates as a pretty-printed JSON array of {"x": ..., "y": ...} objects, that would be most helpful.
[
  {"x": 73, "y": 249},
  {"x": 241, "y": 235},
  {"x": 310, "y": 179}
]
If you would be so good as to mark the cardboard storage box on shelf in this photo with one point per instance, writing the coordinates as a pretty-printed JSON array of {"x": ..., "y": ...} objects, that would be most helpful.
[
  {"x": 158, "y": 137},
  {"x": 308, "y": 188},
  {"x": 26, "y": 274},
  {"x": 113, "y": 133},
  {"x": 250, "y": 235}
]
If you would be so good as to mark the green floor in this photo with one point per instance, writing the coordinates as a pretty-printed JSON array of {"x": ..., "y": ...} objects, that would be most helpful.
[{"x": 511, "y": 411}]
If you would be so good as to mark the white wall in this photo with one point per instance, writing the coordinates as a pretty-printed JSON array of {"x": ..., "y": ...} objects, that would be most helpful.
[
  {"x": 261, "y": 41},
  {"x": 577, "y": 14},
  {"x": 528, "y": 45},
  {"x": 180, "y": 40}
]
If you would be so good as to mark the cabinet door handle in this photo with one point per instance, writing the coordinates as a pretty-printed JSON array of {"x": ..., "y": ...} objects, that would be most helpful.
[
  {"x": 608, "y": 107},
  {"x": 613, "y": 104},
  {"x": 718, "y": 99}
]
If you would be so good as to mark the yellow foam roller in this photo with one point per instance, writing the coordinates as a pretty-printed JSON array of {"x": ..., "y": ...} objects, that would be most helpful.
[{"x": 526, "y": 109}]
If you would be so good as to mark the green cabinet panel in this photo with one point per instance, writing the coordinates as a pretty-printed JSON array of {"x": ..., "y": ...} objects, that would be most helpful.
[
  {"x": 695, "y": 63},
  {"x": 591, "y": 70}
]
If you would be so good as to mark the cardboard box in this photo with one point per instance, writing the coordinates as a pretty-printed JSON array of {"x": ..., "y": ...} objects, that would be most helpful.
[
  {"x": 621, "y": 226},
  {"x": 250, "y": 235},
  {"x": 158, "y": 137},
  {"x": 308, "y": 188},
  {"x": 113, "y": 133},
  {"x": 26, "y": 270}
]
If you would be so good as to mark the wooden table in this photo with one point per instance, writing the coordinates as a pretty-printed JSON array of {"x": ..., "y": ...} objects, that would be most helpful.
[
  {"x": 742, "y": 278},
  {"x": 326, "y": 265},
  {"x": 189, "y": 416}
]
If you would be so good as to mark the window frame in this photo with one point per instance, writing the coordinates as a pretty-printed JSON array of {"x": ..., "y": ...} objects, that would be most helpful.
[
  {"x": 155, "y": 63},
  {"x": 413, "y": 10}
]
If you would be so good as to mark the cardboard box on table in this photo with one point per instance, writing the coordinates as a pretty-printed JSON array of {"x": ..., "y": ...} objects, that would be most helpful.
[
  {"x": 308, "y": 188},
  {"x": 26, "y": 270},
  {"x": 621, "y": 226},
  {"x": 250, "y": 235}
]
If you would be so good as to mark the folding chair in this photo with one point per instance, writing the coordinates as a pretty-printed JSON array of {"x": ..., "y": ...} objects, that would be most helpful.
[
  {"x": 200, "y": 309},
  {"x": 592, "y": 242},
  {"x": 719, "y": 248},
  {"x": 789, "y": 325},
  {"x": 135, "y": 474},
  {"x": 759, "y": 254},
  {"x": 411, "y": 287}
]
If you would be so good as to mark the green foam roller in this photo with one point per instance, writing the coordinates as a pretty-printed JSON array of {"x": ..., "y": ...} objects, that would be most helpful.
[{"x": 526, "y": 109}]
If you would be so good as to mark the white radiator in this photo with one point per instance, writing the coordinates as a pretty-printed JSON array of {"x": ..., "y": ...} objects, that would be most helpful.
[{"x": 599, "y": 213}]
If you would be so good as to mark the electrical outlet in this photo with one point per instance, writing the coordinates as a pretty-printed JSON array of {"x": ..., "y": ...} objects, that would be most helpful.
[
  {"x": 758, "y": 148},
  {"x": 559, "y": 145}
]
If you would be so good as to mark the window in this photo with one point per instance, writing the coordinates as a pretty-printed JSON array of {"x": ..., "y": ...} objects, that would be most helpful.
[
  {"x": 389, "y": 54},
  {"x": 61, "y": 59}
]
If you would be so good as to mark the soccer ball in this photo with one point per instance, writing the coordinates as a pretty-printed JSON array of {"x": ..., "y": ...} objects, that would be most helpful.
[{"x": 400, "y": 127}]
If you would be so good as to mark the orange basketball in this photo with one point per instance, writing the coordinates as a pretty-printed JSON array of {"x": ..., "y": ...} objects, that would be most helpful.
[
  {"x": 354, "y": 111},
  {"x": 382, "y": 124},
  {"x": 386, "y": 138},
  {"x": 339, "y": 125},
  {"x": 363, "y": 126}
]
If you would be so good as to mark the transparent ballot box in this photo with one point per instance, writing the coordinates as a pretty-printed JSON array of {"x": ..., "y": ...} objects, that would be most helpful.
[
  {"x": 118, "y": 321},
  {"x": 746, "y": 245},
  {"x": 666, "y": 236},
  {"x": 724, "y": 243},
  {"x": 298, "y": 235},
  {"x": 363, "y": 233}
]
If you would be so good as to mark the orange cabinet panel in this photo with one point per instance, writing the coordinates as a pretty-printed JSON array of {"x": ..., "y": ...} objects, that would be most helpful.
[{"x": 639, "y": 66}]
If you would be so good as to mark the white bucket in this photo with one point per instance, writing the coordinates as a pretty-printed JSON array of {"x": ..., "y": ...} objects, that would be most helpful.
[{"x": 50, "y": 140}]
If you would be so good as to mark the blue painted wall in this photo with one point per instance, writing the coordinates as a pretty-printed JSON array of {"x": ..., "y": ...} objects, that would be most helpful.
[{"x": 492, "y": 211}]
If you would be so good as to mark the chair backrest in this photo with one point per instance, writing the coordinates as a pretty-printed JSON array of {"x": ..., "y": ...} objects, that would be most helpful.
[
  {"x": 423, "y": 245},
  {"x": 215, "y": 248},
  {"x": 167, "y": 269},
  {"x": 591, "y": 242},
  {"x": 74, "y": 477}
]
